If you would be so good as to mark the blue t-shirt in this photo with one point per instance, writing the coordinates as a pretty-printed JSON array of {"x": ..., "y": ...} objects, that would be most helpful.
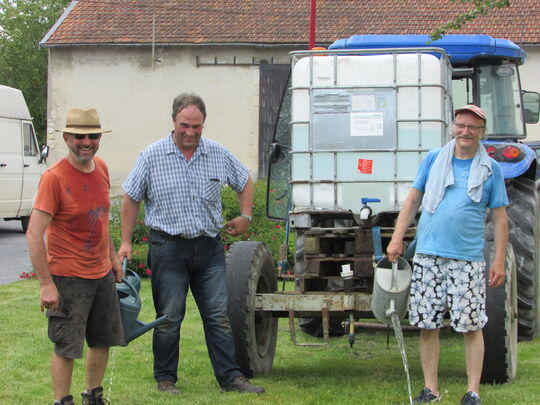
[{"x": 456, "y": 229}]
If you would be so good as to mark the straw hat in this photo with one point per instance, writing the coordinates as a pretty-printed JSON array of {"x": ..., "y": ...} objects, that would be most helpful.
[{"x": 80, "y": 121}]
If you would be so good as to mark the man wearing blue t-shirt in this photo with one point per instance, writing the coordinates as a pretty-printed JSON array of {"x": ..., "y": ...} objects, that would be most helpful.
[{"x": 456, "y": 185}]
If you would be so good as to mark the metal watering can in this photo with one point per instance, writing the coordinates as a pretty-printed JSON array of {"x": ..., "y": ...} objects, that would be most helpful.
[
  {"x": 391, "y": 289},
  {"x": 130, "y": 306}
]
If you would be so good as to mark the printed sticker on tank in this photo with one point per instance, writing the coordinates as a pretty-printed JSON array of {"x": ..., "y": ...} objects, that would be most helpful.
[
  {"x": 365, "y": 166},
  {"x": 367, "y": 123}
]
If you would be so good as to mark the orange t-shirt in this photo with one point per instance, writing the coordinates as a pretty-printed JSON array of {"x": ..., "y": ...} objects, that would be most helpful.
[{"x": 78, "y": 234}]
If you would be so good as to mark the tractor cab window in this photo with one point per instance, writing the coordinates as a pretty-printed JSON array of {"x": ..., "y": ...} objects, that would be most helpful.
[{"x": 500, "y": 97}]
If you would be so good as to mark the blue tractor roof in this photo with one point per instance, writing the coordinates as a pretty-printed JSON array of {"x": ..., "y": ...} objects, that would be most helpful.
[{"x": 461, "y": 49}]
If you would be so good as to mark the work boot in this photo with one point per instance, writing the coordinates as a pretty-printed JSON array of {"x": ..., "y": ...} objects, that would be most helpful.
[
  {"x": 167, "y": 386},
  {"x": 94, "y": 397},
  {"x": 241, "y": 384},
  {"x": 67, "y": 400}
]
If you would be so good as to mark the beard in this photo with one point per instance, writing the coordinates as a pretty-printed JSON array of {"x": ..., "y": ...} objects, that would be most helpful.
[{"x": 82, "y": 157}]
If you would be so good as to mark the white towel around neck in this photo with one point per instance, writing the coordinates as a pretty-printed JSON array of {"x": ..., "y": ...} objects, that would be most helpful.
[{"x": 442, "y": 176}]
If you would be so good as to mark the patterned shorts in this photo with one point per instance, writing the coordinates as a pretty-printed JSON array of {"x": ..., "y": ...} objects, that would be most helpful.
[{"x": 440, "y": 284}]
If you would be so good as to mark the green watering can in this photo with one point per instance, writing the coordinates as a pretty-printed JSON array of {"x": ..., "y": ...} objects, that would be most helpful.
[{"x": 130, "y": 306}]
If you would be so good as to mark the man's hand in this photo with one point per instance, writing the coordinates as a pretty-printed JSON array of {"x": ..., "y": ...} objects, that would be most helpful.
[
  {"x": 496, "y": 274},
  {"x": 238, "y": 226},
  {"x": 124, "y": 251},
  {"x": 49, "y": 297},
  {"x": 117, "y": 269},
  {"x": 394, "y": 249}
]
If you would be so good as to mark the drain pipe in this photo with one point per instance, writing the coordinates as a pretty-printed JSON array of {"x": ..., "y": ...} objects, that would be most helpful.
[{"x": 312, "y": 24}]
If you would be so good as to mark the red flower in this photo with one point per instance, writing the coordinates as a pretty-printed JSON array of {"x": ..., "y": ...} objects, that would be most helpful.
[
  {"x": 141, "y": 266},
  {"x": 144, "y": 238},
  {"x": 278, "y": 226},
  {"x": 148, "y": 272}
]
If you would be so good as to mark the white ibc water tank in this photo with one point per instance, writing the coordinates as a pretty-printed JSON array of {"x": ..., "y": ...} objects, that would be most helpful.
[{"x": 361, "y": 125}]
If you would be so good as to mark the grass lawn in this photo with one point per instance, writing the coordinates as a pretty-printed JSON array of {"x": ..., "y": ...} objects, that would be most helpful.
[{"x": 370, "y": 373}]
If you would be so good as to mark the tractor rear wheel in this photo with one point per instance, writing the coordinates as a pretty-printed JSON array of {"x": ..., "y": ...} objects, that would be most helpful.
[
  {"x": 523, "y": 235},
  {"x": 500, "y": 332}
]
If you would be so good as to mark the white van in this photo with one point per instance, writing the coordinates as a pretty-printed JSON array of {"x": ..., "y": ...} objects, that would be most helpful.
[{"x": 21, "y": 162}]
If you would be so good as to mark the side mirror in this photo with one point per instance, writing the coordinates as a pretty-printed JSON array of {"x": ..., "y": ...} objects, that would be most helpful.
[
  {"x": 44, "y": 153},
  {"x": 531, "y": 106},
  {"x": 275, "y": 151}
]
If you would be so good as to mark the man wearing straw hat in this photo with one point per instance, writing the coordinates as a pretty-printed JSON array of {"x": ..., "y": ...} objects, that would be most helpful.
[
  {"x": 456, "y": 185},
  {"x": 77, "y": 266}
]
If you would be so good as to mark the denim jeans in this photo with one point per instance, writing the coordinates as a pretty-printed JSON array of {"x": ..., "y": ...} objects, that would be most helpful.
[{"x": 177, "y": 265}]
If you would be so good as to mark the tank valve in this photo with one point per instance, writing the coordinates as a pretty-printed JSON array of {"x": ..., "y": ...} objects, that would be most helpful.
[{"x": 365, "y": 211}]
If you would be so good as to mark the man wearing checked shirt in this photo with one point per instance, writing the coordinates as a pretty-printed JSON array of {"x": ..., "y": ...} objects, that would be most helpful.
[{"x": 180, "y": 178}]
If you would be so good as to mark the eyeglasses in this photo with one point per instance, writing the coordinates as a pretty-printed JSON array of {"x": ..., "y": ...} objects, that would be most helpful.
[
  {"x": 80, "y": 137},
  {"x": 469, "y": 127}
]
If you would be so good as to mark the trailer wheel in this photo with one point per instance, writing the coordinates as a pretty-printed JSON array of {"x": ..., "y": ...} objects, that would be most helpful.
[
  {"x": 24, "y": 223},
  {"x": 500, "y": 332},
  {"x": 523, "y": 235},
  {"x": 250, "y": 270}
]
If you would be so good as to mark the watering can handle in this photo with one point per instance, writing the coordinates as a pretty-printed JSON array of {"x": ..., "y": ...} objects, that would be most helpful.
[
  {"x": 124, "y": 266},
  {"x": 393, "y": 284},
  {"x": 124, "y": 280}
]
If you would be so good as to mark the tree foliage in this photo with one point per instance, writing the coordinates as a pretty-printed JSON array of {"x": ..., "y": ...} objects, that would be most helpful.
[
  {"x": 481, "y": 7},
  {"x": 23, "y": 64}
]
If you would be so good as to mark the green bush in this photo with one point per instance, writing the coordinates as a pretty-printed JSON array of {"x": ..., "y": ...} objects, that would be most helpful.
[{"x": 261, "y": 228}]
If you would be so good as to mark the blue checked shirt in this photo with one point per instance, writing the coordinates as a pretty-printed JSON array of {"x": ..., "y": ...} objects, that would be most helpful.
[{"x": 183, "y": 197}]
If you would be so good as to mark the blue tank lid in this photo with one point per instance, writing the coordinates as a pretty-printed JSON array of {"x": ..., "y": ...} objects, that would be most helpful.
[{"x": 461, "y": 49}]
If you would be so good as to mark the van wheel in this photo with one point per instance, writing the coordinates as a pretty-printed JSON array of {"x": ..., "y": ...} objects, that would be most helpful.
[{"x": 24, "y": 223}]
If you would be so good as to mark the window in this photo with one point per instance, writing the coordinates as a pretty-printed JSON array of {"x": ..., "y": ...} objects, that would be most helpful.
[{"x": 30, "y": 147}]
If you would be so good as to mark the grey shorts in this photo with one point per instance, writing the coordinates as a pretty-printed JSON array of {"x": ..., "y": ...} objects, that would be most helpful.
[
  {"x": 440, "y": 284},
  {"x": 89, "y": 309}
]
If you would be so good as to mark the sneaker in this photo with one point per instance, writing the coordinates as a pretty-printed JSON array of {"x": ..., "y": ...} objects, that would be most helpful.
[
  {"x": 67, "y": 400},
  {"x": 241, "y": 384},
  {"x": 426, "y": 396},
  {"x": 167, "y": 386},
  {"x": 94, "y": 397},
  {"x": 470, "y": 398}
]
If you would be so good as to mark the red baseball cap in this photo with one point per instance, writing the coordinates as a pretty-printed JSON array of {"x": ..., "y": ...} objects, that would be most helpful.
[{"x": 472, "y": 108}]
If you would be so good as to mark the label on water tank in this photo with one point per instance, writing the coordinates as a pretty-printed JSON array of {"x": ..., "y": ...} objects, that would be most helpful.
[
  {"x": 367, "y": 124},
  {"x": 365, "y": 166}
]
